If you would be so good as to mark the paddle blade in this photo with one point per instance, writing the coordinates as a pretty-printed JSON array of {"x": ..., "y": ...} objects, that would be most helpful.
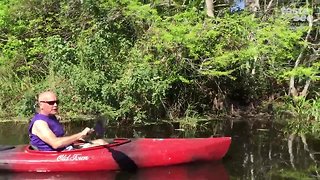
[{"x": 100, "y": 127}]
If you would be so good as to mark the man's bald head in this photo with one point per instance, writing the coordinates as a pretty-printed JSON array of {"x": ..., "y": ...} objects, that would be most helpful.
[
  {"x": 48, "y": 103},
  {"x": 47, "y": 96}
]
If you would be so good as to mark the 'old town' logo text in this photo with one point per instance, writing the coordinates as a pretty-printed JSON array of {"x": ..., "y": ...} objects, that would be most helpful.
[{"x": 72, "y": 157}]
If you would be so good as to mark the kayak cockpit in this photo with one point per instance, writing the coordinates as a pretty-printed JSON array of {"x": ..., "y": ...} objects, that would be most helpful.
[{"x": 112, "y": 143}]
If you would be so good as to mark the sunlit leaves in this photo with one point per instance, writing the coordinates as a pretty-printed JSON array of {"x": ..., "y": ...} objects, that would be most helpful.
[{"x": 303, "y": 72}]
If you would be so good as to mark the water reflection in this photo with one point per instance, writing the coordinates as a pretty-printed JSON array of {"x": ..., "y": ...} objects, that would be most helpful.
[
  {"x": 210, "y": 171},
  {"x": 13, "y": 133},
  {"x": 259, "y": 150}
]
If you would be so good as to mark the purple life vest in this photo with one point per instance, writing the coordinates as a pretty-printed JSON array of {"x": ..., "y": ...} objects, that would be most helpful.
[{"x": 55, "y": 127}]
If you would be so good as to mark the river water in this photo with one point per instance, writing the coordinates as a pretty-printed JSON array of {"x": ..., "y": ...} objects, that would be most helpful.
[{"x": 259, "y": 150}]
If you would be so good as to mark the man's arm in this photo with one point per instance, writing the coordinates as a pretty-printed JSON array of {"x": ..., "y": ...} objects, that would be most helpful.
[{"x": 41, "y": 129}]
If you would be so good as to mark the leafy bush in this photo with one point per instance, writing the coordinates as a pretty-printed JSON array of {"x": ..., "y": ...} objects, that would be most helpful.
[{"x": 139, "y": 62}]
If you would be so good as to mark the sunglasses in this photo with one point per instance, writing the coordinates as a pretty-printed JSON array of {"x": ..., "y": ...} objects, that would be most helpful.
[{"x": 51, "y": 103}]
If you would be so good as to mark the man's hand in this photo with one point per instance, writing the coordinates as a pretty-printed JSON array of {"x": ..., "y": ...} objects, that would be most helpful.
[{"x": 86, "y": 132}]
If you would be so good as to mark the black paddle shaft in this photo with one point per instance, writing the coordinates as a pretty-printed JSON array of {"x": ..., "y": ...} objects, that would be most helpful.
[{"x": 6, "y": 147}]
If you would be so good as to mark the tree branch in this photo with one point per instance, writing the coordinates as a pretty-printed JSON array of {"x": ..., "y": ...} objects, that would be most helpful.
[
  {"x": 305, "y": 89},
  {"x": 269, "y": 6},
  {"x": 292, "y": 89}
]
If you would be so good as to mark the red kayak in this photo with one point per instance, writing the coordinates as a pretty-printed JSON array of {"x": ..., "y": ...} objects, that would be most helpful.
[{"x": 123, "y": 154}]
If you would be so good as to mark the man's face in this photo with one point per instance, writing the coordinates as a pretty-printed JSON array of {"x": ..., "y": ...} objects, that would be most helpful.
[{"x": 48, "y": 103}]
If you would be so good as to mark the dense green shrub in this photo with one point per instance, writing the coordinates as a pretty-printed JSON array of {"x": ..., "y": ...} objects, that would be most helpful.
[{"x": 141, "y": 61}]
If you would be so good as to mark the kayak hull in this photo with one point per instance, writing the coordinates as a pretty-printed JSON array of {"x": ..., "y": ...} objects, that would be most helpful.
[{"x": 123, "y": 154}]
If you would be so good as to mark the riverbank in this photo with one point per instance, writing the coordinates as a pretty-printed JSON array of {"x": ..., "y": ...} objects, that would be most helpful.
[{"x": 62, "y": 119}]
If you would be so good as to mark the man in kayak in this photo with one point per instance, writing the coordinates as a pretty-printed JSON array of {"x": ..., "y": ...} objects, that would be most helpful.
[{"x": 45, "y": 131}]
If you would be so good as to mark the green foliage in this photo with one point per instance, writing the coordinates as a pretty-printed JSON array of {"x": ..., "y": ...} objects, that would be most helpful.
[
  {"x": 292, "y": 174},
  {"x": 190, "y": 122},
  {"x": 140, "y": 61},
  {"x": 303, "y": 115}
]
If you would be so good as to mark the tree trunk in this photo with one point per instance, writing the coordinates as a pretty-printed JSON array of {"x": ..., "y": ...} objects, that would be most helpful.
[
  {"x": 253, "y": 5},
  {"x": 209, "y": 6}
]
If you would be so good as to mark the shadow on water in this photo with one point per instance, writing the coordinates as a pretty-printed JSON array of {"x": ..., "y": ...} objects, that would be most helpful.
[
  {"x": 259, "y": 150},
  {"x": 124, "y": 162},
  {"x": 212, "y": 171}
]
